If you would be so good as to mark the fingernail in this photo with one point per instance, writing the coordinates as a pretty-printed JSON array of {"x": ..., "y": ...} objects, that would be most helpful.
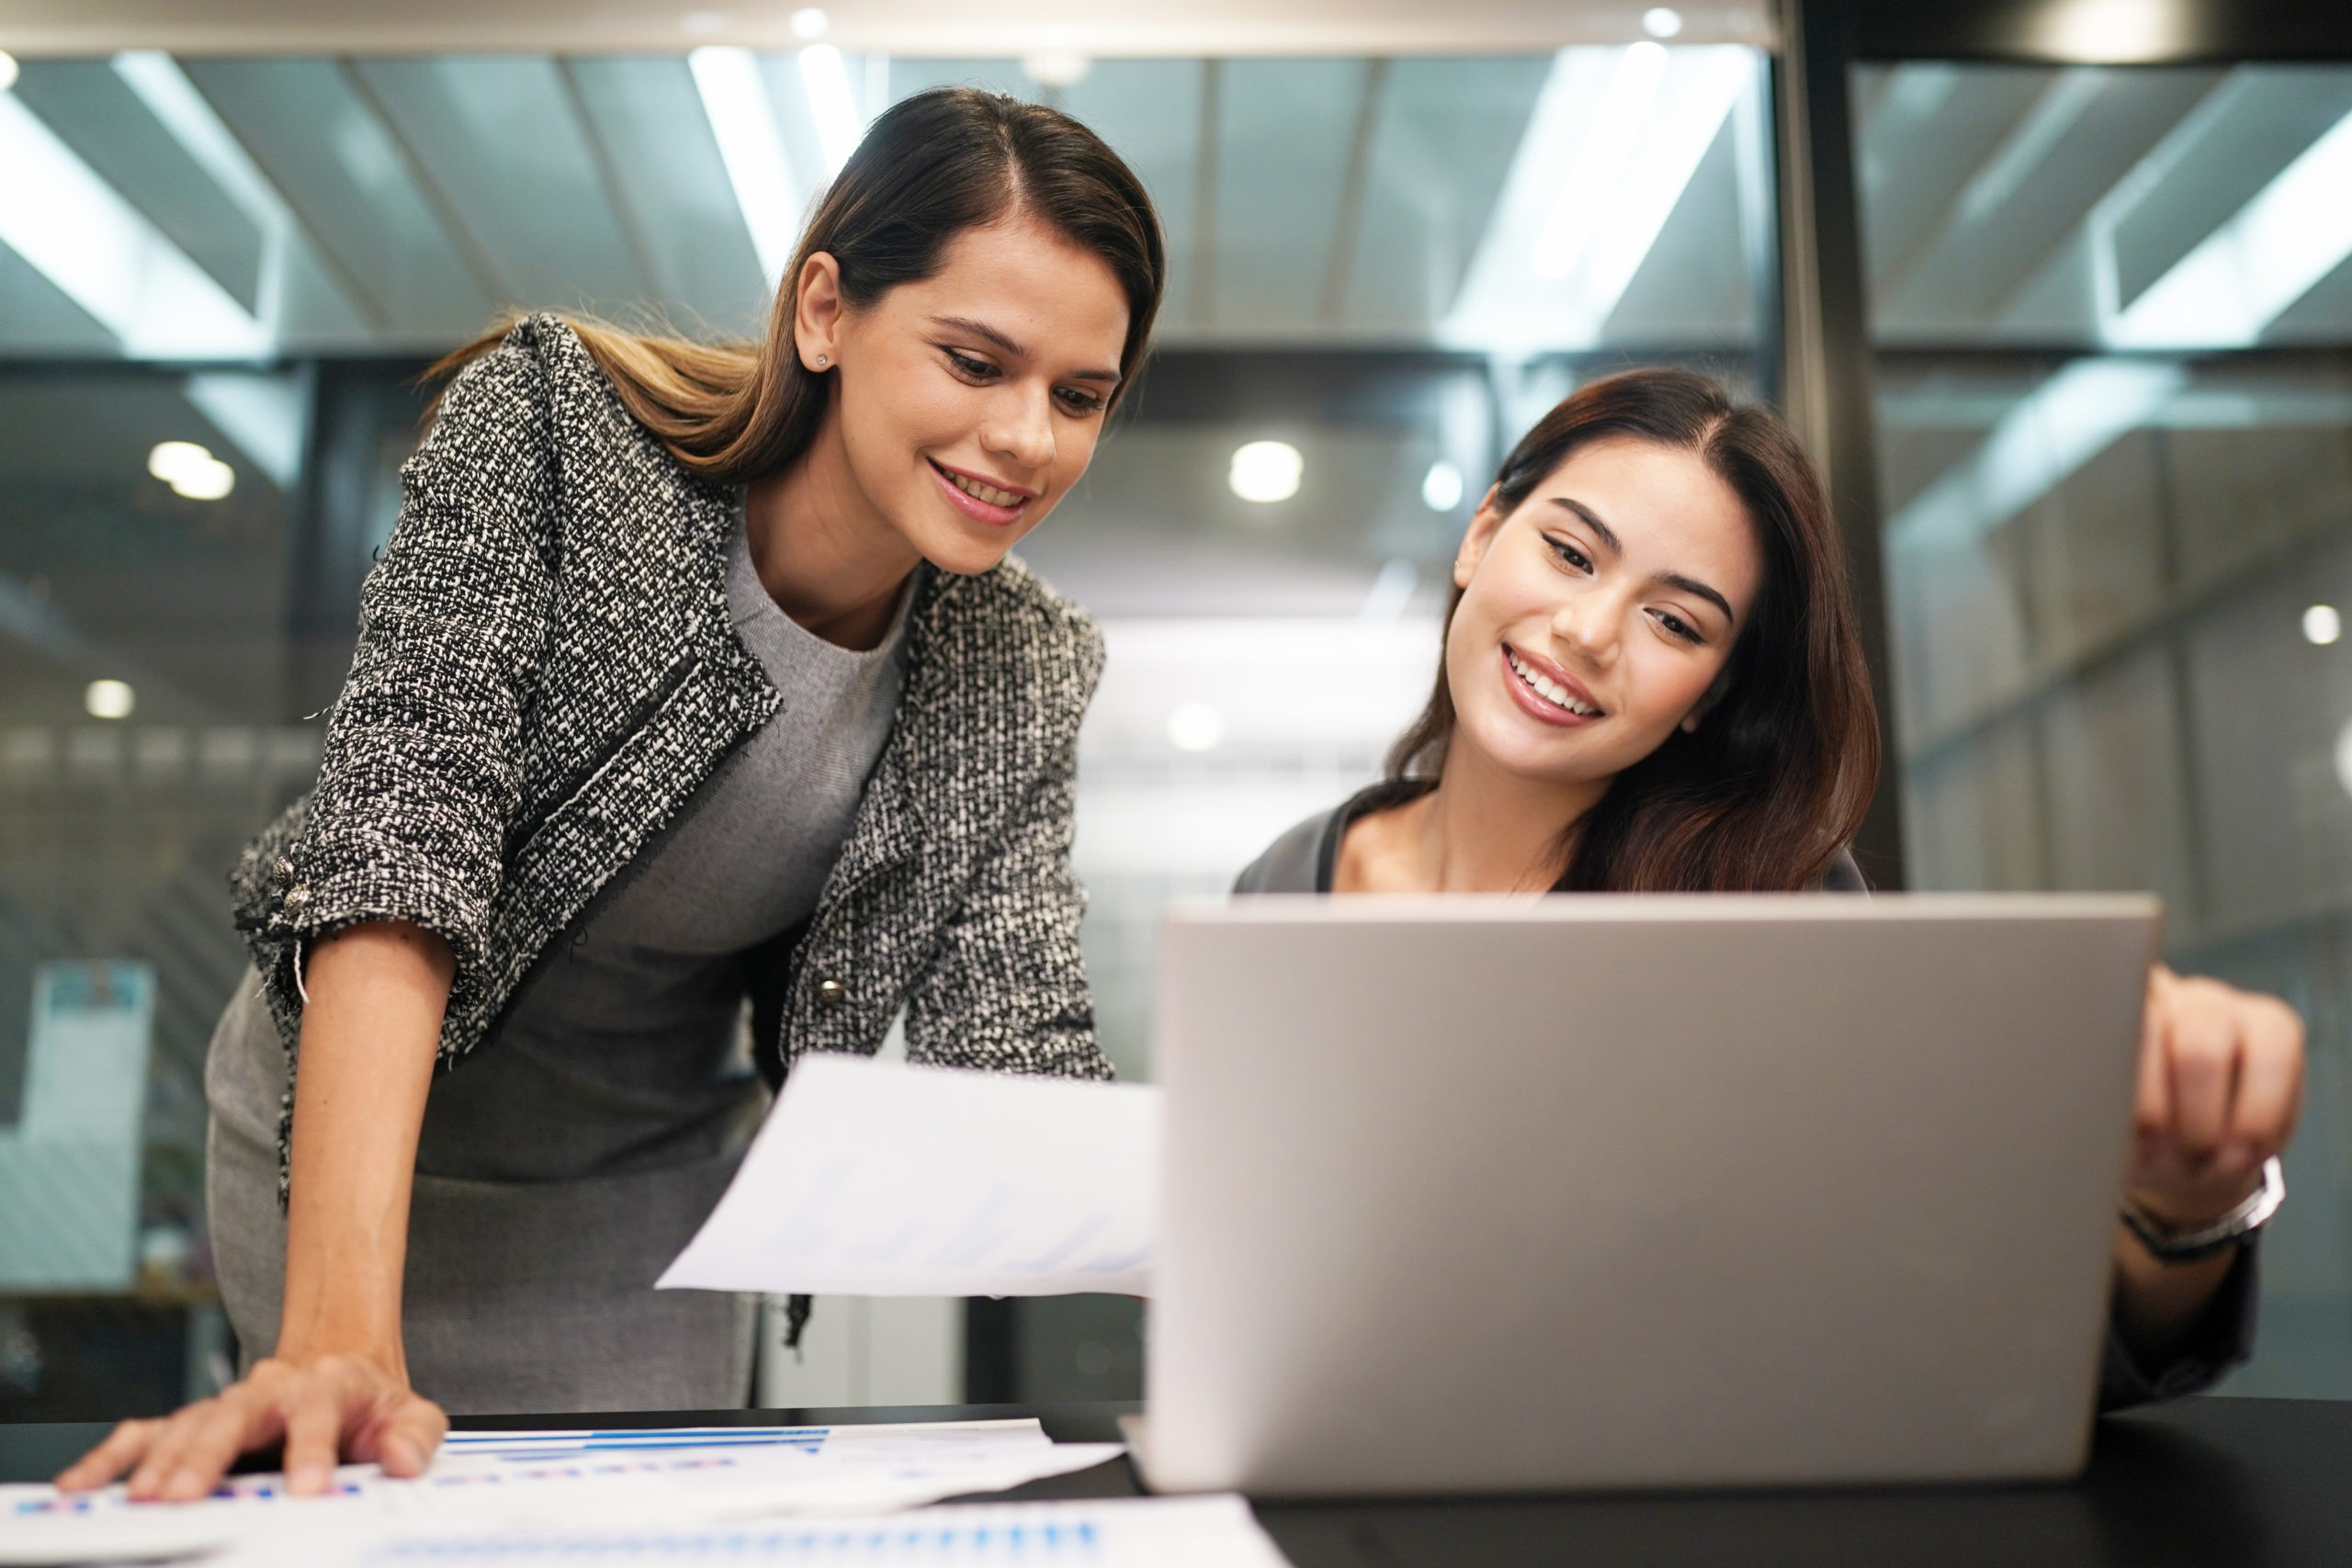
[
  {"x": 307, "y": 1478},
  {"x": 399, "y": 1456}
]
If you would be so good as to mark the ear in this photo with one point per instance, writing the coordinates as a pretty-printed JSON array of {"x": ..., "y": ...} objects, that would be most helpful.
[
  {"x": 816, "y": 311},
  {"x": 1485, "y": 523}
]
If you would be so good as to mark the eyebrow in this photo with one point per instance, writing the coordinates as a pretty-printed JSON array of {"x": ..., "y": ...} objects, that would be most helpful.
[
  {"x": 982, "y": 330},
  {"x": 1616, "y": 547}
]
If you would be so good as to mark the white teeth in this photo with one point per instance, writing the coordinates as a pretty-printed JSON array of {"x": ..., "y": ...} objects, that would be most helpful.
[
  {"x": 1550, "y": 691},
  {"x": 986, "y": 492}
]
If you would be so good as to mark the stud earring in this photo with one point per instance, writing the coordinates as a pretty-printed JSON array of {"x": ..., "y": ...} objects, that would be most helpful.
[
  {"x": 820, "y": 362},
  {"x": 1691, "y": 724}
]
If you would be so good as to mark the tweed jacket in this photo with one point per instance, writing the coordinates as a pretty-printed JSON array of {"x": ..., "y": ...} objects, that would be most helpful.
[{"x": 546, "y": 672}]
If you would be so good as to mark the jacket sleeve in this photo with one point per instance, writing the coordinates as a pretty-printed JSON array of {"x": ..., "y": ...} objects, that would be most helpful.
[
  {"x": 2222, "y": 1341},
  {"x": 420, "y": 776},
  {"x": 1007, "y": 991}
]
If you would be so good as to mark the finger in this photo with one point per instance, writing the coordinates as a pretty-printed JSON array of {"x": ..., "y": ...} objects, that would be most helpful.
[
  {"x": 2270, "y": 1082},
  {"x": 162, "y": 1456},
  {"x": 313, "y": 1433},
  {"x": 216, "y": 1434},
  {"x": 123, "y": 1447},
  {"x": 410, "y": 1436},
  {"x": 2152, "y": 1096},
  {"x": 2204, "y": 1052}
]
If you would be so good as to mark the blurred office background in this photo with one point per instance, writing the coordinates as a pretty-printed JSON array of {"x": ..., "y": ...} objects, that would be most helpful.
[{"x": 2064, "y": 304}]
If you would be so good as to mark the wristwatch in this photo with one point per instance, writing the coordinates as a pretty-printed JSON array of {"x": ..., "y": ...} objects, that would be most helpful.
[{"x": 2231, "y": 1230}]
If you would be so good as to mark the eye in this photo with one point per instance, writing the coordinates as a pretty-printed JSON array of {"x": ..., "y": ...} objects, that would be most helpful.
[
  {"x": 1677, "y": 626},
  {"x": 969, "y": 368},
  {"x": 1569, "y": 553},
  {"x": 1077, "y": 400}
]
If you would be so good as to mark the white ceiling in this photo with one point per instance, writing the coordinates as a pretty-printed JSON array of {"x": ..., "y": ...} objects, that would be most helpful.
[{"x": 895, "y": 26}]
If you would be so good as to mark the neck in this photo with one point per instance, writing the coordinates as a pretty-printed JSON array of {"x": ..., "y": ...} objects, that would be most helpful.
[
  {"x": 1483, "y": 829},
  {"x": 828, "y": 557}
]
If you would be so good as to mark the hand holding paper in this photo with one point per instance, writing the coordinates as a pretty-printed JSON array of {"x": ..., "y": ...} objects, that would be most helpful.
[{"x": 879, "y": 1179}]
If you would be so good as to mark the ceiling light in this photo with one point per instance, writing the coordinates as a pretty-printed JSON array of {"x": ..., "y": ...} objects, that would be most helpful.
[
  {"x": 7, "y": 70},
  {"x": 2321, "y": 624},
  {"x": 839, "y": 128},
  {"x": 1195, "y": 727},
  {"x": 109, "y": 699},
  {"x": 1599, "y": 169},
  {"x": 742, "y": 121},
  {"x": 1661, "y": 21},
  {"x": 1266, "y": 471},
  {"x": 1056, "y": 67},
  {"x": 191, "y": 471},
  {"x": 1442, "y": 487},
  {"x": 810, "y": 23}
]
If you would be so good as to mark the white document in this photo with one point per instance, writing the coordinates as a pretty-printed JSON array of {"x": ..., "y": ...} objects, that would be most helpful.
[
  {"x": 1125, "y": 1532},
  {"x": 873, "y": 1179},
  {"x": 488, "y": 1482}
]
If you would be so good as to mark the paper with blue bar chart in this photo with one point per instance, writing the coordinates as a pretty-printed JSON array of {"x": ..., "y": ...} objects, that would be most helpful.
[
  {"x": 493, "y": 1483},
  {"x": 874, "y": 1179}
]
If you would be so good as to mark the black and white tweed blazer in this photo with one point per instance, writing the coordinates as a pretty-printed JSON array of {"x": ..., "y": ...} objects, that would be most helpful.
[{"x": 546, "y": 672}]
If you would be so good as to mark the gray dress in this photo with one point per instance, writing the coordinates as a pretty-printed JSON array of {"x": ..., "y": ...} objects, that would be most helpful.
[{"x": 561, "y": 1167}]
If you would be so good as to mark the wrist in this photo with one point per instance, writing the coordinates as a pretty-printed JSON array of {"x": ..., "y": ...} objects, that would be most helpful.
[{"x": 2170, "y": 1242}]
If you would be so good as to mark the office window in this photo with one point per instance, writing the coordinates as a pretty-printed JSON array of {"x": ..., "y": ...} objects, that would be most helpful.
[
  {"x": 1382, "y": 270},
  {"x": 2112, "y": 317}
]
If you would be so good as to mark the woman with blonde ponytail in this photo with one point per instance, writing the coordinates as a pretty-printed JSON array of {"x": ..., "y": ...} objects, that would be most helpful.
[{"x": 695, "y": 683}]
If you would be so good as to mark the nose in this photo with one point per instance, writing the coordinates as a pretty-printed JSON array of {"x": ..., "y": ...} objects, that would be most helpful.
[
  {"x": 1021, "y": 427},
  {"x": 1586, "y": 625}
]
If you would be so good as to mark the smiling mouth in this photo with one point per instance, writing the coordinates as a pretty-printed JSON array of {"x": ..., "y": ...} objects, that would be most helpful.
[
  {"x": 1550, "y": 691},
  {"x": 980, "y": 490}
]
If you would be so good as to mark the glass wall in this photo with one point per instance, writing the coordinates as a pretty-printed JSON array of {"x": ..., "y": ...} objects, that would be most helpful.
[
  {"x": 219, "y": 277},
  {"x": 2112, "y": 315}
]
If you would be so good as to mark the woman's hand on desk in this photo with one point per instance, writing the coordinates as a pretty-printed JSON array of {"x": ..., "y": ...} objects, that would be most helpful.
[
  {"x": 2221, "y": 1088},
  {"x": 319, "y": 1407}
]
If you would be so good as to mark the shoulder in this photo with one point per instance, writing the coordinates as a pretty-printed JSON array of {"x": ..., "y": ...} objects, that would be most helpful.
[
  {"x": 1293, "y": 863},
  {"x": 541, "y": 387}
]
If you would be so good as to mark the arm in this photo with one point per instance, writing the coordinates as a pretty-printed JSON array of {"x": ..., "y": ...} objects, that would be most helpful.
[
  {"x": 339, "y": 1381},
  {"x": 2220, "y": 1086},
  {"x": 1008, "y": 991}
]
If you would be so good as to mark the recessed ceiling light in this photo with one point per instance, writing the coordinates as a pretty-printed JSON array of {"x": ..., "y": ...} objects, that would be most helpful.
[
  {"x": 1056, "y": 67},
  {"x": 1442, "y": 487},
  {"x": 1661, "y": 21},
  {"x": 191, "y": 471},
  {"x": 110, "y": 699},
  {"x": 1266, "y": 471},
  {"x": 810, "y": 23},
  {"x": 1195, "y": 727},
  {"x": 7, "y": 70},
  {"x": 2321, "y": 624}
]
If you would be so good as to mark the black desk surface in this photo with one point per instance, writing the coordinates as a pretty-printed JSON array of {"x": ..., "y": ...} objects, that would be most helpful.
[{"x": 2245, "y": 1483}]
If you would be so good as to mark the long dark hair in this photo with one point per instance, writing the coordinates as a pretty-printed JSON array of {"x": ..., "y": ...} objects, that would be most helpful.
[
  {"x": 931, "y": 167},
  {"x": 1775, "y": 780}
]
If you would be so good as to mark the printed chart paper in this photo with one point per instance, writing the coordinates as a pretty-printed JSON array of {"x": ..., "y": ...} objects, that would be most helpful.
[
  {"x": 507, "y": 1481},
  {"x": 875, "y": 1179},
  {"x": 1138, "y": 1532}
]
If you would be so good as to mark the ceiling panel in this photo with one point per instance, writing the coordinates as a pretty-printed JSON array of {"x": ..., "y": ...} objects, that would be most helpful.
[
  {"x": 1286, "y": 130},
  {"x": 95, "y": 112},
  {"x": 36, "y": 319},
  {"x": 1441, "y": 144},
  {"x": 1693, "y": 288},
  {"x": 501, "y": 141},
  {"x": 665, "y": 164},
  {"x": 349, "y": 183}
]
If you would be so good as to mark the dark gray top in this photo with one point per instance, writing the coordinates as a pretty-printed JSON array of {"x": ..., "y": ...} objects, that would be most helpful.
[
  {"x": 1304, "y": 859},
  {"x": 627, "y": 1051}
]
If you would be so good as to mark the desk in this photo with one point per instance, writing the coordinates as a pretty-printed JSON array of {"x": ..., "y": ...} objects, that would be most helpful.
[{"x": 2245, "y": 1483}]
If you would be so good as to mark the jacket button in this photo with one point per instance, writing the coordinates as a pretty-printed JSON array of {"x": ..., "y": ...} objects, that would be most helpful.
[
  {"x": 832, "y": 993},
  {"x": 281, "y": 870},
  {"x": 296, "y": 898}
]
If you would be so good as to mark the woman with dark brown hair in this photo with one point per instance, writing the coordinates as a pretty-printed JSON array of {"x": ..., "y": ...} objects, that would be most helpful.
[
  {"x": 1651, "y": 683},
  {"x": 695, "y": 682}
]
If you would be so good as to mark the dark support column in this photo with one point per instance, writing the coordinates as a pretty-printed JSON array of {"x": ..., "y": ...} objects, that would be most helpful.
[
  {"x": 991, "y": 1350},
  {"x": 1825, "y": 366}
]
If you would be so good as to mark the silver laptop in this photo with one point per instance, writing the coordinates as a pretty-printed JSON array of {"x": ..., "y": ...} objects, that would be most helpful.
[{"x": 1482, "y": 1195}]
